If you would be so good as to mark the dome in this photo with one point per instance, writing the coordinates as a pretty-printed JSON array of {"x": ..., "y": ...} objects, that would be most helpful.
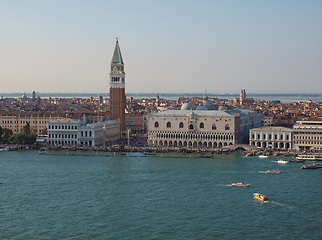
[
  {"x": 201, "y": 107},
  {"x": 208, "y": 105},
  {"x": 187, "y": 106},
  {"x": 222, "y": 108}
]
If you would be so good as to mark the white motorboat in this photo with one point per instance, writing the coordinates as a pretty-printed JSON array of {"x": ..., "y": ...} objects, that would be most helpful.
[
  {"x": 276, "y": 171},
  {"x": 239, "y": 185},
  {"x": 282, "y": 161}
]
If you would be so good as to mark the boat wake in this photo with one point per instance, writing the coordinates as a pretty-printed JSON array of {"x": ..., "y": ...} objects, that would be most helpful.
[{"x": 281, "y": 204}]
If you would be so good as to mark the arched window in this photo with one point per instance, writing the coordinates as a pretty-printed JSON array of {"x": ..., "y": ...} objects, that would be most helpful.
[
  {"x": 168, "y": 124},
  {"x": 156, "y": 124},
  {"x": 190, "y": 126},
  {"x": 213, "y": 127},
  {"x": 201, "y": 125},
  {"x": 181, "y": 125},
  {"x": 227, "y": 127}
]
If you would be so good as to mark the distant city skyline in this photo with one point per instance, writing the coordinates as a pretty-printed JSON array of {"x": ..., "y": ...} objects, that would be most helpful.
[{"x": 167, "y": 46}]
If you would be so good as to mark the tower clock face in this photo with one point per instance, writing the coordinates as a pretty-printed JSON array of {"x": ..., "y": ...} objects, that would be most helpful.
[{"x": 115, "y": 69}]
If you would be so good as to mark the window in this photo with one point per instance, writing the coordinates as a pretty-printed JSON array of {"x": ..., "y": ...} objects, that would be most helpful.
[
  {"x": 227, "y": 127},
  {"x": 190, "y": 126},
  {"x": 181, "y": 125},
  {"x": 213, "y": 127},
  {"x": 168, "y": 125},
  {"x": 201, "y": 125},
  {"x": 156, "y": 124}
]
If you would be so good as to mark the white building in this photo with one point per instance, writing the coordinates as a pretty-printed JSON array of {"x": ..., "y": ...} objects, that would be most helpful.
[
  {"x": 307, "y": 135},
  {"x": 67, "y": 131},
  {"x": 271, "y": 137},
  {"x": 201, "y": 128}
]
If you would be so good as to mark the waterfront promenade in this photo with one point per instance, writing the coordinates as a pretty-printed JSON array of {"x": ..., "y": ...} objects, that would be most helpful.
[{"x": 119, "y": 149}]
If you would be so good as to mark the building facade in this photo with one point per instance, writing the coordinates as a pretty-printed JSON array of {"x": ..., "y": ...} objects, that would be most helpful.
[
  {"x": 67, "y": 131},
  {"x": 117, "y": 88},
  {"x": 271, "y": 137},
  {"x": 200, "y": 128},
  {"x": 307, "y": 135},
  {"x": 38, "y": 124}
]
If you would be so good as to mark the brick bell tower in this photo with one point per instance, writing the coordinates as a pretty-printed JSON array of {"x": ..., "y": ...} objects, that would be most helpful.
[{"x": 117, "y": 88}]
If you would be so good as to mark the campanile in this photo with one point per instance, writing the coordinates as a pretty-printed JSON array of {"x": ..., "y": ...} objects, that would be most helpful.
[{"x": 117, "y": 88}]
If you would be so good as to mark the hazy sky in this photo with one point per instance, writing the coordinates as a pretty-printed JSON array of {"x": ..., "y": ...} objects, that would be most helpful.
[{"x": 183, "y": 46}]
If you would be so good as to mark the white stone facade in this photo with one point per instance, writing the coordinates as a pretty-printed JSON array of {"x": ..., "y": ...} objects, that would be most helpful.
[
  {"x": 307, "y": 135},
  {"x": 271, "y": 137},
  {"x": 200, "y": 128},
  {"x": 68, "y": 131}
]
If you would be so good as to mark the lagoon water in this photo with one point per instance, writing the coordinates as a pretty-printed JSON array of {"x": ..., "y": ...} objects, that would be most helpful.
[{"x": 138, "y": 197}]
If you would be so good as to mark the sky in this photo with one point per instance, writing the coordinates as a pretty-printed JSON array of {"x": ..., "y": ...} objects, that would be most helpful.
[{"x": 168, "y": 46}]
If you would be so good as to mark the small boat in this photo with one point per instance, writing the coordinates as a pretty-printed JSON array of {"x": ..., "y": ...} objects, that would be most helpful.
[
  {"x": 149, "y": 153},
  {"x": 119, "y": 154},
  {"x": 263, "y": 156},
  {"x": 311, "y": 166},
  {"x": 282, "y": 161},
  {"x": 239, "y": 185},
  {"x": 273, "y": 171},
  {"x": 297, "y": 161},
  {"x": 260, "y": 197}
]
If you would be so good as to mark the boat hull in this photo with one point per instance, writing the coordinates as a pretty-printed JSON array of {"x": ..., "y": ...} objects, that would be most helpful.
[
  {"x": 239, "y": 185},
  {"x": 260, "y": 197},
  {"x": 312, "y": 157}
]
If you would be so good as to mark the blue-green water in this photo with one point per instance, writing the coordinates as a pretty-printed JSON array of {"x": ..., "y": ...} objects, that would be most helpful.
[{"x": 136, "y": 197}]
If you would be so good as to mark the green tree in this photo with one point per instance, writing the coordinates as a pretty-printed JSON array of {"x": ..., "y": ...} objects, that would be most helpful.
[
  {"x": 31, "y": 138},
  {"x": 26, "y": 129},
  {"x": 11, "y": 139},
  {"x": 20, "y": 138},
  {"x": 6, "y": 134}
]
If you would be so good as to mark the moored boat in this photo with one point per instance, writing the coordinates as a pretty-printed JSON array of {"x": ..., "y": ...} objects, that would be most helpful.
[
  {"x": 260, "y": 197},
  {"x": 150, "y": 153},
  {"x": 310, "y": 157},
  {"x": 239, "y": 185},
  {"x": 263, "y": 156}
]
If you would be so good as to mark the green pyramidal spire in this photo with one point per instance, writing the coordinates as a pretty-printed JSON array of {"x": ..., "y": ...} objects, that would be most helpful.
[{"x": 117, "y": 56}]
